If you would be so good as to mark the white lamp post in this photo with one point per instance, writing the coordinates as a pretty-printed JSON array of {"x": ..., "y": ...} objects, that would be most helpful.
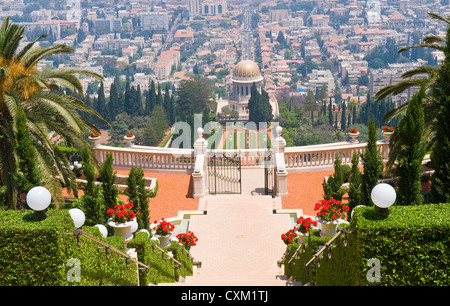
[
  {"x": 77, "y": 217},
  {"x": 103, "y": 230},
  {"x": 383, "y": 196},
  {"x": 38, "y": 199}
]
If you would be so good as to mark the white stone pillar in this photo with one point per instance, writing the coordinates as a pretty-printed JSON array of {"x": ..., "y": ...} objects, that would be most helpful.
[
  {"x": 199, "y": 175},
  {"x": 278, "y": 145}
]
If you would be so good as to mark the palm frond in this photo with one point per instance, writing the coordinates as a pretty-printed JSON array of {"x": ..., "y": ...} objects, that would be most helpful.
[
  {"x": 398, "y": 88},
  {"x": 438, "y": 17},
  {"x": 66, "y": 77},
  {"x": 432, "y": 46},
  {"x": 428, "y": 70},
  {"x": 432, "y": 39},
  {"x": 34, "y": 55}
]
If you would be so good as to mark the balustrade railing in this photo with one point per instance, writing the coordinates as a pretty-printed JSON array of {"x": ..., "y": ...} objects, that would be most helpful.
[
  {"x": 148, "y": 157},
  {"x": 304, "y": 157},
  {"x": 324, "y": 155}
]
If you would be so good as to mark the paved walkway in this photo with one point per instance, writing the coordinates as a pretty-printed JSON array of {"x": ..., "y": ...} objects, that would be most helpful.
[{"x": 239, "y": 242}]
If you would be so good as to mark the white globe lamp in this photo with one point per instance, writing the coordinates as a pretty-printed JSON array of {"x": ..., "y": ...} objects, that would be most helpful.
[
  {"x": 134, "y": 226},
  {"x": 38, "y": 199},
  {"x": 103, "y": 230},
  {"x": 383, "y": 196},
  {"x": 145, "y": 231},
  {"x": 77, "y": 217}
]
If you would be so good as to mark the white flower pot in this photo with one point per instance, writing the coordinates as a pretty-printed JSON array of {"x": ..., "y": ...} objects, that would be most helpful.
[
  {"x": 164, "y": 241},
  {"x": 300, "y": 237},
  {"x": 129, "y": 140},
  {"x": 122, "y": 229},
  {"x": 353, "y": 137},
  {"x": 387, "y": 136},
  {"x": 94, "y": 140},
  {"x": 327, "y": 228}
]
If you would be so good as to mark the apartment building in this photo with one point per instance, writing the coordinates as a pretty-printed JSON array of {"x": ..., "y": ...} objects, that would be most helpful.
[{"x": 155, "y": 21}]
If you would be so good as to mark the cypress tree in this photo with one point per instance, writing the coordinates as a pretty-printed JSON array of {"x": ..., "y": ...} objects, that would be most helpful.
[
  {"x": 330, "y": 113},
  {"x": 143, "y": 201},
  {"x": 373, "y": 165},
  {"x": 131, "y": 190},
  {"x": 150, "y": 101},
  {"x": 411, "y": 152},
  {"x": 368, "y": 110},
  {"x": 355, "y": 196},
  {"x": 108, "y": 178},
  {"x": 127, "y": 99},
  {"x": 343, "y": 116},
  {"x": 332, "y": 188},
  {"x": 354, "y": 115},
  {"x": 138, "y": 102},
  {"x": 101, "y": 103},
  {"x": 159, "y": 100},
  {"x": 91, "y": 202},
  {"x": 114, "y": 102},
  {"x": 167, "y": 101},
  {"x": 172, "y": 110}
]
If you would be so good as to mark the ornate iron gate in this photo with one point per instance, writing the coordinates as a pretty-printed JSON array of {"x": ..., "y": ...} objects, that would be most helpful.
[
  {"x": 224, "y": 174},
  {"x": 269, "y": 173}
]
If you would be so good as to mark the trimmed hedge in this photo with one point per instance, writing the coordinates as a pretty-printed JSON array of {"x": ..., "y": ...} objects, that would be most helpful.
[
  {"x": 34, "y": 253},
  {"x": 412, "y": 245},
  {"x": 161, "y": 270}
]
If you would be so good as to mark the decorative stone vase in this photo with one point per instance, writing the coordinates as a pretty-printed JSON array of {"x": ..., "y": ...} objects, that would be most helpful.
[
  {"x": 387, "y": 136},
  {"x": 122, "y": 229},
  {"x": 129, "y": 140},
  {"x": 301, "y": 237},
  {"x": 328, "y": 228},
  {"x": 353, "y": 137},
  {"x": 164, "y": 241},
  {"x": 94, "y": 140}
]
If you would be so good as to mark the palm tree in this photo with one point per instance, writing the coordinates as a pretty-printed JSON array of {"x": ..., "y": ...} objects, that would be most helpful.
[
  {"x": 422, "y": 76},
  {"x": 38, "y": 94}
]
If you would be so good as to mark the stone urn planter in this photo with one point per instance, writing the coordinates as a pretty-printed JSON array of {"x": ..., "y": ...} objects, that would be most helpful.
[
  {"x": 129, "y": 139},
  {"x": 353, "y": 137},
  {"x": 163, "y": 231},
  {"x": 387, "y": 136},
  {"x": 94, "y": 140},
  {"x": 164, "y": 241},
  {"x": 328, "y": 228},
  {"x": 301, "y": 237},
  {"x": 122, "y": 229}
]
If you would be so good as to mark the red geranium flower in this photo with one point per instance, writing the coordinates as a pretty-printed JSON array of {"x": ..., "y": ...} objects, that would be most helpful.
[
  {"x": 122, "y": 213},
  {"x": 163, "y": 227},
  {"x": 330, "y": 210}
]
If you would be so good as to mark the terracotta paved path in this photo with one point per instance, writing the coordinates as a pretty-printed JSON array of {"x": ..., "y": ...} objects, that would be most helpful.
[{"x": 174, "y": 194}]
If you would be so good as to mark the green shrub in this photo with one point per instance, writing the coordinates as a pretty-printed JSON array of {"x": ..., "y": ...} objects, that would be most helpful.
[
  {"x": 36, "y": 253},
  {"x": 162, "y": 269},
  {"x": 411, "y": 244}
]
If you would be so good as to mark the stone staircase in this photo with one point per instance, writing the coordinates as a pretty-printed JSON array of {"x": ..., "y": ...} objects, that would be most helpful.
[{"x": 239, "y": 242}]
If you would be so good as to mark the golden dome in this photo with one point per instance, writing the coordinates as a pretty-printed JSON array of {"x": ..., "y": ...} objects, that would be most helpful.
[{"x": 246, "y": 71}]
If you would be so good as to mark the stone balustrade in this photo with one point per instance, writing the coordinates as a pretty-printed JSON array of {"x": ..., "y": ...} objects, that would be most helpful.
[
  {"x": 321, "y": 157},
  {"x": 304, "y": 158},
  {"x": 148, "y": 157}
]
